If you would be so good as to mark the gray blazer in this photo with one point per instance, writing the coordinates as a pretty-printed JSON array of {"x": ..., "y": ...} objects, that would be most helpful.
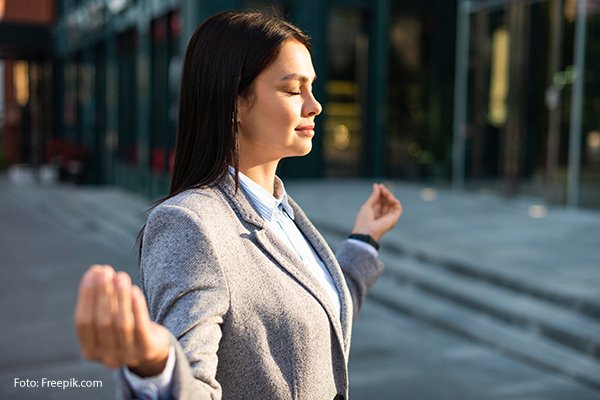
[{"x": 248, "y": 321}]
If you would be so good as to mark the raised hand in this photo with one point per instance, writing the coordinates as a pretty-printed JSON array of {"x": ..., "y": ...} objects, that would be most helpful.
[
  {"x": 378, "y": 214},
  {"x": 113, "y": 324}
]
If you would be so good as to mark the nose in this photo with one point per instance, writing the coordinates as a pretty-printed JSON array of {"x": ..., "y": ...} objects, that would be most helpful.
[{"x": 311, "y": 107}]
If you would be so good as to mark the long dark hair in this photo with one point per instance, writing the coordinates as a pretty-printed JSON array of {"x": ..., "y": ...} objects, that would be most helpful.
[{"x": 223, "y": 58}]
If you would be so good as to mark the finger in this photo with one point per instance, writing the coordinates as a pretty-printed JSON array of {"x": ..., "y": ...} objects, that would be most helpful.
[
  {"x": 85, "y": 296},
  {"x": 105, "y": 315},
  {"x": 141, "y": 317},
  {"x": 154, "y": 343},
  {"x": 396, "y": 204},
  {"x": 375, "y": 194},
  {"x": 84, "y": 312},
  {"x": 390, "y": 196},
  {"x": 391, "y": 201},
  {"x": 377, "y": 209},
  {"x": 385, "y": 191},
  {"x": 392, "y": 217},
  {"x": 124, "y": 327}
]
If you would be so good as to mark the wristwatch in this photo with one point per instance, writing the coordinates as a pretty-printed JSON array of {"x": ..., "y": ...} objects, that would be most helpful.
[{"x": 365, "y": 238}]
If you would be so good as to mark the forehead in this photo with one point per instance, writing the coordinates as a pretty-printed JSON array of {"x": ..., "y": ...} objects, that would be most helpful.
[{"x": 293, "y": 63}]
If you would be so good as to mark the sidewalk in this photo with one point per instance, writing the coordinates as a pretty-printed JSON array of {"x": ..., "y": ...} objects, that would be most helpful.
[{"x": 401, "y": 348}]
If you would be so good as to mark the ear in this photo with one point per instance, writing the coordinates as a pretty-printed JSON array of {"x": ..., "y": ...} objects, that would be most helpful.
[{"x": 241, "y": 106}]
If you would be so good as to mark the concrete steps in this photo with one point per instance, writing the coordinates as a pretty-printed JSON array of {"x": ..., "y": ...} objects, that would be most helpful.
[
  {"x": 108, "y": 214},
  {"x": 562, "y": 324},
  {"x": 510, "y": 339},
  {"x": 537, "y": 287},
  {"x": 555, "y": 336}
]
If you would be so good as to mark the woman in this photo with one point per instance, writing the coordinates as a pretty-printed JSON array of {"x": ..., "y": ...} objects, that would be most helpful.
[{"x": 245, "y": 298}]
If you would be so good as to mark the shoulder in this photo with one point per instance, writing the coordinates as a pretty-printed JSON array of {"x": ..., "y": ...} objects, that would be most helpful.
[
  {"x": 191, "y": 217},
  {"x": 194, "y": 198},
  {"x": 195, "y": 210},
  {"x": 203, "y": 203}
]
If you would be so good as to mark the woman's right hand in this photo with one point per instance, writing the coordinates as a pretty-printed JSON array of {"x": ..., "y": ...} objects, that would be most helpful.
[{"x": 114, "y": 326}]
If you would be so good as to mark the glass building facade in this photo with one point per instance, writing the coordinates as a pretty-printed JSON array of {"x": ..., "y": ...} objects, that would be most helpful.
[
  {"x": 481, "y": 94},
  {"x": 527, "y": 99}
]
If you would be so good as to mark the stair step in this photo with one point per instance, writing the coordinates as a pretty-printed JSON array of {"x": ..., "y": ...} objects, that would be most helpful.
[
  {"x": 82, "y": 211},
  {"x": 502, "y": 337},
  {"x": 550, "y": 320},
  {"x": 125, "y": 207},
  {"x": 539, "y": 288}
]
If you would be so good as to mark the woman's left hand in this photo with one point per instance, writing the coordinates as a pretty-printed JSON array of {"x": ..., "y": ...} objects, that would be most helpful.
[{"x": 378, "y": 214}]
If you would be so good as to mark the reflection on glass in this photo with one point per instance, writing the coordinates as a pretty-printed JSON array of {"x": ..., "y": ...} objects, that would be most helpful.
[
  {"x": 499, "y": 79},
  {"x": 343, "y": 111},
  {"x": 21, "y": 82},
  {"x": 421, "y": 51}
]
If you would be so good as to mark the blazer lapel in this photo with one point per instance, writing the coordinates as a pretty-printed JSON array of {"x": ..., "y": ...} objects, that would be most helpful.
[
  {"x": 282, "y": 255},
  {"x": 330, "y": 261},
  {"x": 289, "y": 261}
]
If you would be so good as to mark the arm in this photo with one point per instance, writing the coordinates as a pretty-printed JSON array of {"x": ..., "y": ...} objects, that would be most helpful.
[
  {"x": 361, "y": 267},
  {"x": 360, "y": 264},
  {"x": 187, "y": 293}
]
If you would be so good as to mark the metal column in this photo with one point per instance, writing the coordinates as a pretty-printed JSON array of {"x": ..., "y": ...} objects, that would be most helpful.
[
  {"x": 461, "y": 86},
  {"x": 576, "y": 107},
  {"x": 378, "y": 81}
]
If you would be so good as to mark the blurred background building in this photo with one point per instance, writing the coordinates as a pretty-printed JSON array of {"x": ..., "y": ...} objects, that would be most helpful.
[{"x": 500, "y": 95}]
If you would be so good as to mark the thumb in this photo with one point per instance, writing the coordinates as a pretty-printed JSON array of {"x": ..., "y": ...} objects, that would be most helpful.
[{"x": 141, "y": 316}]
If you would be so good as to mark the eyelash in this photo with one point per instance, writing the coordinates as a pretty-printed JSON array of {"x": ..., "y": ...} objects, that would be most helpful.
[{"x": 294, "y": 93}]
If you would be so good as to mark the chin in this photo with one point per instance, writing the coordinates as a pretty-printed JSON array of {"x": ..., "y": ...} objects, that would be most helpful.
[
  {"x": 307, "y": 149},
  {"x": 298, "y": 148},
  {"x": 300, "y": 152}
]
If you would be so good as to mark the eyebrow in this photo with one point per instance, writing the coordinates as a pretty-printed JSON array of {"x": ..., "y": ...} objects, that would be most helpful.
[{"x": 297, "y": 77}]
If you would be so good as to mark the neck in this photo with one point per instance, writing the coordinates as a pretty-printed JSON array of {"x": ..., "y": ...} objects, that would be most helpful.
[{"x": 263, "y": 174}]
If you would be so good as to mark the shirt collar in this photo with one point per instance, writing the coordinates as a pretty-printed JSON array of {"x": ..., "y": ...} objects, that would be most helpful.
[{"x": 265, "y": 202}]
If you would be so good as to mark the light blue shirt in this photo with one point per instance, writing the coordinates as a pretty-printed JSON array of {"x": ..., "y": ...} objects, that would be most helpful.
[{"x": 279, "y": 216}]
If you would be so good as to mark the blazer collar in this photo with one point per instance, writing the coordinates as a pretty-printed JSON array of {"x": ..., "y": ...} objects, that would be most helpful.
[
  {"x": 280, "y": 252},
  {"x": 240, "y": 202},
  {"x": 264, "y": 202}
]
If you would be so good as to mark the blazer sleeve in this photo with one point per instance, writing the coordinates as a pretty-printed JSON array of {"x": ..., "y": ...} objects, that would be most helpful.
[
  {"x": 186, "y": 292},
  {"x": 361, "y": 268}
]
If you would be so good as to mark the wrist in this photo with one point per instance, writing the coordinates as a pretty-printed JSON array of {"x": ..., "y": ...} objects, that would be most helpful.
[
  {"x": 365, "y": 237},
  {"x": 151, "y": 367},
  {"x": 366, "y": 231}
]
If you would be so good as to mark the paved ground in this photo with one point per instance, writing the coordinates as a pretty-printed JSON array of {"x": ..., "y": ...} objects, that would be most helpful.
[
  {"x": 40, "y": 266},
  {"x": 48, "y": 238},
  {"x": 395, "y": 357}
]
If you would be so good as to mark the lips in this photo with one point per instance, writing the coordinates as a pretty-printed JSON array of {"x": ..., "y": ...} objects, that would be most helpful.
[
  {"x": 308, "y": 130},
  {"x": 305, "y": 128}
]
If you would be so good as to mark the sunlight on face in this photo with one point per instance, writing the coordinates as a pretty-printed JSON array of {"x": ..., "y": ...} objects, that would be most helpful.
[{"x": 277, "y": 120}]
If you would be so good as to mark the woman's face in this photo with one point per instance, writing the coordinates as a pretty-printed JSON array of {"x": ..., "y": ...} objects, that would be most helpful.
[{"x": 278, "y": 118}]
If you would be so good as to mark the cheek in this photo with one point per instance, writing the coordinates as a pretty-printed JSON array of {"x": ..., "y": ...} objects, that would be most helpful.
[
  {"x": 289, "y": 112},
  {"x": 274, "y": 114}
]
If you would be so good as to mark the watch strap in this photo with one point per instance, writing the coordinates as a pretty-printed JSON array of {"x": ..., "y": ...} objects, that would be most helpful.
[{"x": 365, "y": 238}]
